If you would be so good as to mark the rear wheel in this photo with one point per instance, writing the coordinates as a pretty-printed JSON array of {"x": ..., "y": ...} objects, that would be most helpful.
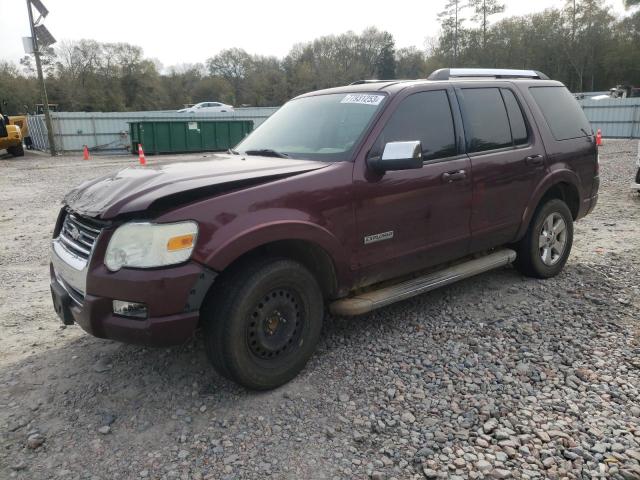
[
  {"x": 263, "y": 323},
  {"x": 545, "y": 248}
]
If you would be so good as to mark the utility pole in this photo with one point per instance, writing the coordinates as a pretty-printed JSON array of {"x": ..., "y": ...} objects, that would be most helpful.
[{"x": 43, "y": 89}]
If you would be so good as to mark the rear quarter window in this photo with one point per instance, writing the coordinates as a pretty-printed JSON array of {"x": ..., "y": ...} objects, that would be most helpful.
[{"x": 561, "y": 112}]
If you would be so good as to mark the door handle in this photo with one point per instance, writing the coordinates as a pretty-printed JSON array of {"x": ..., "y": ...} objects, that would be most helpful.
[
  {"x": 534, "y": 159},
  {"x": 454, "y": 176}
]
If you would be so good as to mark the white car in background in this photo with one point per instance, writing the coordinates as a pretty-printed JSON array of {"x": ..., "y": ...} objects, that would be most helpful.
[{"x": 208, "y": 107}]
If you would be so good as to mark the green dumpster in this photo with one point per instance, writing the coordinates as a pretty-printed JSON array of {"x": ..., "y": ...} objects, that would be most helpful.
[{"x": 176, "y": 136}]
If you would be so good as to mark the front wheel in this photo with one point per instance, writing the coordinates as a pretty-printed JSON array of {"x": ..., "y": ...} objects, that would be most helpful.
[
  {"x": 263, "y": 323},
  {"x": 545, "y": 248}
]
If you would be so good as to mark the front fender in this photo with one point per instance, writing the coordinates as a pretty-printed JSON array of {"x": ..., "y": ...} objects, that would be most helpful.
[
  {"x": 552, "y": 178},
  {"x": 251, "y": 234}
]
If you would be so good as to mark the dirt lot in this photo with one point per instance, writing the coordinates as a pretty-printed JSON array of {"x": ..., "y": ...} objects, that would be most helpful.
[{"x": 498, "y": 376}]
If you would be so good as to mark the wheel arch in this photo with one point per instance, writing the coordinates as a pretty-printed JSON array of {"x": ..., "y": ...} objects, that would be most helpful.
[
  {"x": 564, "y": 186},
  {"x": 315, "y": 248}
]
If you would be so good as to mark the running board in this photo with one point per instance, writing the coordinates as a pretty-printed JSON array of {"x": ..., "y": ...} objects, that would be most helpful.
[{"x": 368, "y": 301}]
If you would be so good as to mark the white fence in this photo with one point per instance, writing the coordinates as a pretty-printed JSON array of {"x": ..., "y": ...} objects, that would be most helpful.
[
  {"x": 109, "y": 131},
  {"x": 617, "y": 118}
]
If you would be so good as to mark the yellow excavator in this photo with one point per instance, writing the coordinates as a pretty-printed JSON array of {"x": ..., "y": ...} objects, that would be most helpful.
[{"x": 10, "y": 137}]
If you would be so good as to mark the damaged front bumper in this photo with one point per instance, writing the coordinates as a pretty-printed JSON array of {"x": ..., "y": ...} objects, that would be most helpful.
[
  {"x": 172, "y": 298},
  {"x": 83, "y": 292}
]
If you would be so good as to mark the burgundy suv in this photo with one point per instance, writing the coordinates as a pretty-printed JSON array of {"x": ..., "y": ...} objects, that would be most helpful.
[{"x": 348, "y": 199}]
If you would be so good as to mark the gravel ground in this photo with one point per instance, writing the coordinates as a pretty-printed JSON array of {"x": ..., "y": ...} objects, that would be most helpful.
[{"x": 498, "y": 376}]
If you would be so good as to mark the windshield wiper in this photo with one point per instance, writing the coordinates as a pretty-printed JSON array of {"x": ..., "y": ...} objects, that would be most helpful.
[
  {"x": 267, "y": 152},
  {"x": 231, "y": 150}
]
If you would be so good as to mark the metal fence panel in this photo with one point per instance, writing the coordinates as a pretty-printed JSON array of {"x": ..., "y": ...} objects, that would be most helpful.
[
  {"x": 616, "y": 118},
  {"x": 109, "y": 131},
  {"x": 38, "y": 132}
]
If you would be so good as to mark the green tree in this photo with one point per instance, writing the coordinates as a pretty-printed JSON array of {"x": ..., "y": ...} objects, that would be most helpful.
[
  {"x": 411, "y": 63},
  {"x": 212, "y": 88},
  {"x": 589, "y": 23},
  {"x": 180, "y": 82},
  {"x": 451, "y": 21},
  {"x": 482, "y": 10},
  {"x": 266, "y": 82},
  {"x": 340, "y": 59},
  {"x": 18, "y": 93},
  {"x": 386, "y": 62},
  {"x": 232, "y": 65}
]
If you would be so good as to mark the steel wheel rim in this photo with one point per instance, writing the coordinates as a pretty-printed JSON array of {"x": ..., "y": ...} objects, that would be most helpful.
[
  {"x": 552, "y": 240},
  {"x": 275, "y": 324}
]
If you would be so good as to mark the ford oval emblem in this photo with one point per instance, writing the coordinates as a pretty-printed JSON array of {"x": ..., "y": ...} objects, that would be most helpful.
[{"x": 74, "y": 232}]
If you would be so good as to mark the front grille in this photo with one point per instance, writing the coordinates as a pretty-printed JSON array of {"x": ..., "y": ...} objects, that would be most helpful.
[{"x": 79, "y": 234}]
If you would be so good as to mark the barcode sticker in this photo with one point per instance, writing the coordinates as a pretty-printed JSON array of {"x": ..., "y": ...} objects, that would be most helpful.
[{"x": 363, "y": 98}]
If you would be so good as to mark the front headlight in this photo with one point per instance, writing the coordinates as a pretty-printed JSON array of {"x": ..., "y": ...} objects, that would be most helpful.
[{"x": 147, "y": 245}]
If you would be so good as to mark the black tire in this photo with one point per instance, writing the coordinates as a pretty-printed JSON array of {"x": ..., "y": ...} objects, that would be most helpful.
[
  {"x": 262, "y": 322},
  {"x": 531, "y": 249},
  {"x": 16, "y": 151}
]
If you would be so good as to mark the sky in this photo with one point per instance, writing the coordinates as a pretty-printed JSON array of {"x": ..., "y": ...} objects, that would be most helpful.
[{"x": 191, "y": 31}]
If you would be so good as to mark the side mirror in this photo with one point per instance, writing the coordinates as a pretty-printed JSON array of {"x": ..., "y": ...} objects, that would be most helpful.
[{"x": 398, "y": 156}]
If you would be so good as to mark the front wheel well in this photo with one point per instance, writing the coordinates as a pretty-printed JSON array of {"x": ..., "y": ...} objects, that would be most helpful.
[
  {"x": 309, "y": 254},
  {"x": 566, "y": 192}
]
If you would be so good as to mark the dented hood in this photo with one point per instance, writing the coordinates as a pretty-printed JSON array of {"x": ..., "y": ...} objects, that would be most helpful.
[{"x": 135, "y": 189}]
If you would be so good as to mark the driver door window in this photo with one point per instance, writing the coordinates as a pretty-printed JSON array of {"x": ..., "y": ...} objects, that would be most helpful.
[{"x": 424, "y": 116}]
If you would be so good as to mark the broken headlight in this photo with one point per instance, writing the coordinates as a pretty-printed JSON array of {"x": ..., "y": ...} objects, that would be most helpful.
[{"x": 148, "y": 245}]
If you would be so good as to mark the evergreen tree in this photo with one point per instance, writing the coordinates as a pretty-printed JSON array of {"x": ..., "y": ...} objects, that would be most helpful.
[
  {"x": 386, "y": 65},
  {"x": 451, "y": 24},
  {"x": 482, "y": 10}
]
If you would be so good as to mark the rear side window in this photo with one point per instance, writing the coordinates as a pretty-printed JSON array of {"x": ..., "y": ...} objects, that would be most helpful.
[
  {"x": 518, "y": 125},
  {"x": 561, "y": 111},
  {"x": 424, "y": 116},
  {"x": 486, "y": 121}
]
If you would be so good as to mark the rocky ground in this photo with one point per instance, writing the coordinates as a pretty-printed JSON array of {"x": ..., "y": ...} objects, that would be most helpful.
[{"x": 499, "y": 376}]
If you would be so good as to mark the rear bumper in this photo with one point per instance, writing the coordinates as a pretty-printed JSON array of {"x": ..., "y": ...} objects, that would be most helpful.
[{"x": 588, "y": 204}]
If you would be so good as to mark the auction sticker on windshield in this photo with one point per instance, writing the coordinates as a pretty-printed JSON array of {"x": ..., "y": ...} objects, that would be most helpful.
[{"x": 363, "y": 98}]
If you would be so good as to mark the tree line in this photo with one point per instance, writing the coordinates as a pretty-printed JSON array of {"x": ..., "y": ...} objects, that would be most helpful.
[{"x": 582, "y": 44}]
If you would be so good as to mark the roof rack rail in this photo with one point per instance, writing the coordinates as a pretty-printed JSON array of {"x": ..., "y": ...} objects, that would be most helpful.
[
  {"x": 373, "y": 80},
  {"x": 448, "y": 73}
]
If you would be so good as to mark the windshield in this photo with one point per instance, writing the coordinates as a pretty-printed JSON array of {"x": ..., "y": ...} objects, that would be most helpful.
[{"x": 322, "y": 127}]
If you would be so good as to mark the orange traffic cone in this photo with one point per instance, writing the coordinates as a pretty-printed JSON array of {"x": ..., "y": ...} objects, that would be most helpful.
[
  {"x": 85, "y": 153},
  {"x": 599, "y": 138},
  {"x": 141, "y": 159}
]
